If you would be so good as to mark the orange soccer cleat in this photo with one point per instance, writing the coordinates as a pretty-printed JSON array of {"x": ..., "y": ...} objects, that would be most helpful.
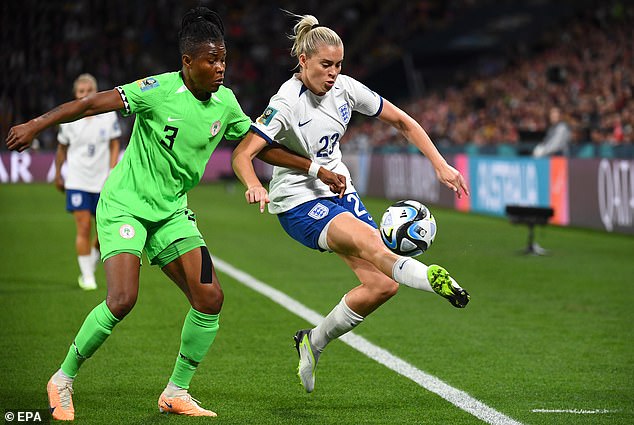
[
  {"x": 183, "y": 404},
  {"x": 60, "y": 400}
]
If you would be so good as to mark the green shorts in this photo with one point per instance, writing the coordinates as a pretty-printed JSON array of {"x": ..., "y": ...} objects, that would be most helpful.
[{"x": 120, "y": 231}]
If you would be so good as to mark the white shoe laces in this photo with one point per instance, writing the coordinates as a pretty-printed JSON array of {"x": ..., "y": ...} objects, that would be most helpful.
[
  {"x": 188, "y": 398},
  {"x": 65, "y": 393},
  {"x": 193, "y": 401},
  {"x": 196, "y": 402}
]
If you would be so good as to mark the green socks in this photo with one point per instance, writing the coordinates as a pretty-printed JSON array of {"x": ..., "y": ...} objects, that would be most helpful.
[
  {"x": 199, "y": 332},
  {"x": 93, "y": 332}
]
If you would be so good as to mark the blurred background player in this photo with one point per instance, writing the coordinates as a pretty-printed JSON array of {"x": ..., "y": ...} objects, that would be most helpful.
[
  {"x": 90, "y": 147},
  {"x": 309, "y": 115}
]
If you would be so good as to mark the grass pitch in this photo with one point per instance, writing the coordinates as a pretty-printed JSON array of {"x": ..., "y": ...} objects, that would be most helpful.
[{"x": 550, "y": 333}]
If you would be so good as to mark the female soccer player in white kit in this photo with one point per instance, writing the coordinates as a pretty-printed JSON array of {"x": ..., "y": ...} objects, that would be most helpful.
[
  {"x": 309, "y": 115},
  {"x": 90, "y": 147}
]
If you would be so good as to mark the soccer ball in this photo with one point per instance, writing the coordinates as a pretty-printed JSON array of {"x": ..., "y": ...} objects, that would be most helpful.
[{"x": 408, "y": 228}]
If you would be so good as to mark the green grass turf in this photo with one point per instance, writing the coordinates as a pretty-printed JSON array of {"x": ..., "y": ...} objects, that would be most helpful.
[{"x": 552, "y": 332}]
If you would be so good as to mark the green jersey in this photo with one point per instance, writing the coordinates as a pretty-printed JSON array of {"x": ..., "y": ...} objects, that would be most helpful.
[{"x": 172, "y": 140}]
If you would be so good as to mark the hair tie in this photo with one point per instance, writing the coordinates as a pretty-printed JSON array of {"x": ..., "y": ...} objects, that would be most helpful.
[{"x": 315, "y": 26}]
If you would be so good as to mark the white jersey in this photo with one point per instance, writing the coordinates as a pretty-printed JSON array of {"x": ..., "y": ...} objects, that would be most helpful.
[
  {"x": 88, "y": 156},
  {"x": 311, "y": 126}
]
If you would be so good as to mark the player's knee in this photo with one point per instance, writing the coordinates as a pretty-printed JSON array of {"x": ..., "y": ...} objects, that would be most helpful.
[
  {"x": 381, "y": 290},
  {"x": 121, "y": 304},
  {"x": 83, "y": 226},
  {"x": 211, "y": 303},
  {"x": 387, "y": 289}
]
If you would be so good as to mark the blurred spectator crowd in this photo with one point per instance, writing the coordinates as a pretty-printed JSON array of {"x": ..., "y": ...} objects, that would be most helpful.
[
  {"x": 584, "y": 66},
  {"x": 45, "y": 45}
]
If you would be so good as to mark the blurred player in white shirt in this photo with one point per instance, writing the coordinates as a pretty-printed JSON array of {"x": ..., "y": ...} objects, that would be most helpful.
[
  {"x": 90, "y": 148},
  {"x": 309, "y": 115}
]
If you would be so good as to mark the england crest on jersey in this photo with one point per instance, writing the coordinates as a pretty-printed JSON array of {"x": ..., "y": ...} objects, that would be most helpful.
[{"x": 344, "y": 113}]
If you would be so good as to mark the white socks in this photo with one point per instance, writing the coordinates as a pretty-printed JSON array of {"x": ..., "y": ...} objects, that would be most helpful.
[
  {"x": 61, "y": 379},
  {"x": 409, "y": 272},
  {"x": 406, "y": 271},
  {"x": 88, "y": 265},
  {"x": 96, "y": 257},
  {"x": 172, "y": 390},
  {"x": 339, "y": 321},
  {"x": 87, "y": 268}
]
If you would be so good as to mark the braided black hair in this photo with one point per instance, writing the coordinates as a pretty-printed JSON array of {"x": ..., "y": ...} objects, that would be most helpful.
[{"x": 200, "y": 25}]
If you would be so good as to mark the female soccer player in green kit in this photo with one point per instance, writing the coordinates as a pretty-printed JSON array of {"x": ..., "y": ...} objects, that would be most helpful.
[{"x": 180, "y": 119}]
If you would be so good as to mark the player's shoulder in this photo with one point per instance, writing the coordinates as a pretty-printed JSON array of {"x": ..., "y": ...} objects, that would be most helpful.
[
  {"x": 353, "y": 89},
  {"x": 225, "y": 93},
  {"x": 347, "y": 82},
  {"x": 158, "y": 83},
  {"x": 290, "y": 93},
  {"x": 345, "y": 79},
  {"x": 167, "y": 78},
  {"x": 225, "y": 98}
]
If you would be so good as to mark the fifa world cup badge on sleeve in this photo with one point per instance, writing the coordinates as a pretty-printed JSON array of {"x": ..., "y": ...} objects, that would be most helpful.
[
  {"x": 267, "y": 116},
  {"x": 147, "y": 83}
]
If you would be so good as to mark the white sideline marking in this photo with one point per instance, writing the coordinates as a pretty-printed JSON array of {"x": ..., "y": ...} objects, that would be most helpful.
[
  {"x": 453, "y": 395},
  {"x": 576, "y": 411}
]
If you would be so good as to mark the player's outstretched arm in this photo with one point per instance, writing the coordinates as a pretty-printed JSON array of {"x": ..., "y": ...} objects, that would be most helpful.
[
  {"x": 417, "y": 136},
  {"x": 21, "y": 136}
]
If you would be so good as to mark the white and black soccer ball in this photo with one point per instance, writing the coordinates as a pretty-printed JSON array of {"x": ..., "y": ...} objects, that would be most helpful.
[{"x": 408, "y": 228}]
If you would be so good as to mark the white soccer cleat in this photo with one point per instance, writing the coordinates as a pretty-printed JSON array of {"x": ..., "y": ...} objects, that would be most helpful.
[
  {"x": 87, "y": 284},
  {"x": 308, "y": 357}
]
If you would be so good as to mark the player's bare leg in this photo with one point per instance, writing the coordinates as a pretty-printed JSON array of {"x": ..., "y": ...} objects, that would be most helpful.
[
  {"x": 374, "y": 290},
  {"x": 348, "y": 235},
  {"x": 95, "y": 253},
  {"x": 380, "y": 271},
  {"x": 85, "y": 257}
]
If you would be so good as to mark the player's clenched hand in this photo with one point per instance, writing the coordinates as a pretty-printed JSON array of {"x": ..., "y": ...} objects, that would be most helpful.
[
  {"x": 452, "y": 179},
  {"x": 336, "y": 182},
  {"x": 257, "y": 194},
  {"x": 20, "y": 137},
  {"x": 59, "y": 183}
]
